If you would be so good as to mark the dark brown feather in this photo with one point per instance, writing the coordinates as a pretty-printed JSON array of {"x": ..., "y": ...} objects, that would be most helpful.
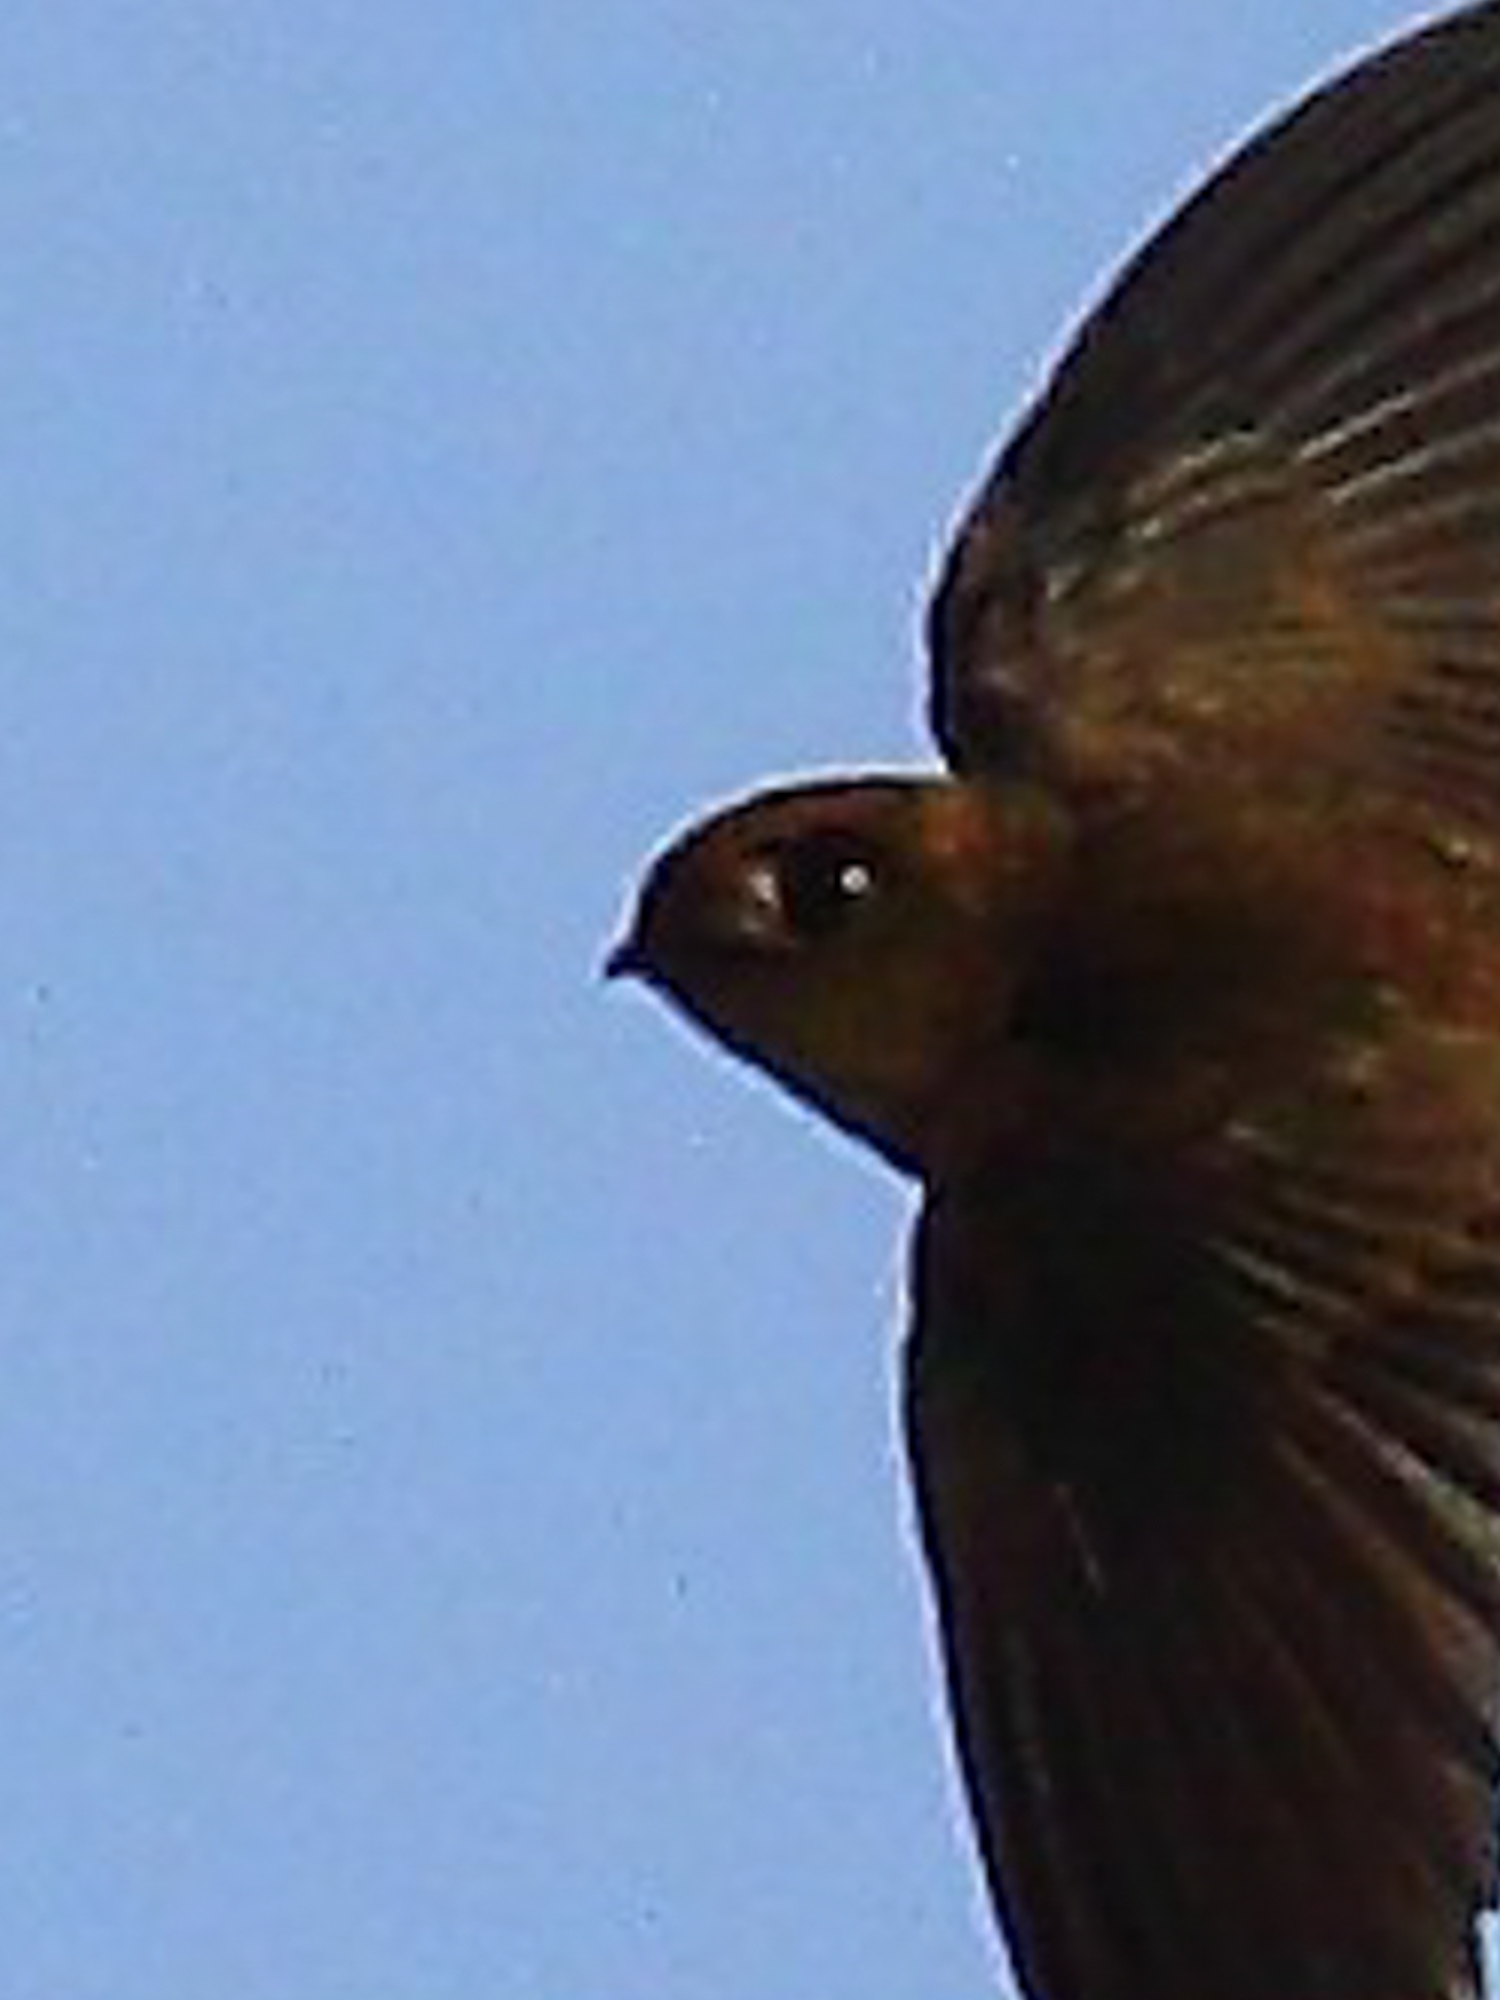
[
  {"x": 1255, "y": 520},
  {"x": 1214, "y": 1518}
]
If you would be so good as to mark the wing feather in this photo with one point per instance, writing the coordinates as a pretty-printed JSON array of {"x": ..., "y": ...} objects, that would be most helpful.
[
  {"x": 1255, "y": 520},
  {"x": 1213, "y": 1515}
]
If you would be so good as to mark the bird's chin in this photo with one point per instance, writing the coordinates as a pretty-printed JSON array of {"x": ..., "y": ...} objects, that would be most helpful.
[
  {"x": 871, "y": 1120},
  {"x": 868, "y": 1117}
]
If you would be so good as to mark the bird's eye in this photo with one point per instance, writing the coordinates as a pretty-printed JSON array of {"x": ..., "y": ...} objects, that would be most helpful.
[{"x": 821, "y": 879}]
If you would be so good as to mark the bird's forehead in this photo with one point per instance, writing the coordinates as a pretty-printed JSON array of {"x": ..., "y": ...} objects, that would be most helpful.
[
  {"x": 724, "y": 840},
  {"x": 945, "y": 830}
]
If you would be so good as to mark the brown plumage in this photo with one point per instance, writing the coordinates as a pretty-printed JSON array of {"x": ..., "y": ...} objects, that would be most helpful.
[{"x": 1181, "y": 996}]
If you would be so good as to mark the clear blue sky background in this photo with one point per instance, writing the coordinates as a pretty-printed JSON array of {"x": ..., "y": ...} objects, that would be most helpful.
[{"x": 452, "y": 1540}]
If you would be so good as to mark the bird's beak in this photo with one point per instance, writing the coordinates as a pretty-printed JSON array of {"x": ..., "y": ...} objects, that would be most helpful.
[{"x": 627, "y": 960}]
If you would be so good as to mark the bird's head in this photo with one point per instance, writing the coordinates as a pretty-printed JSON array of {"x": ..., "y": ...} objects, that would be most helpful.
[{"x": 858, "y": 940}]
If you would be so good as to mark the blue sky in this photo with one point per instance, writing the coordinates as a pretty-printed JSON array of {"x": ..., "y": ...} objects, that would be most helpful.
[{"x": 452, "y": 1539}]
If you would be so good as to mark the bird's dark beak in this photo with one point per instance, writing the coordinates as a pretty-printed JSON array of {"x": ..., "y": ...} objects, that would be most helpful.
[{"x": 627, "y": 960}]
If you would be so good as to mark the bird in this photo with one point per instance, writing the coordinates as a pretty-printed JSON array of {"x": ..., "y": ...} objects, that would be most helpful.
[{"x": 1175, "y": 988}]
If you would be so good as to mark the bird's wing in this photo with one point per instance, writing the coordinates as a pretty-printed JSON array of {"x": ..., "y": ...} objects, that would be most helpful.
[
  {"x": 1209, "y": 1480},
  {"x": 1254, "y": 524}
]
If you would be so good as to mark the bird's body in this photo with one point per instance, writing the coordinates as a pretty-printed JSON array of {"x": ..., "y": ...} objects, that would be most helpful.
[{"x": 1181, "y": 996}]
